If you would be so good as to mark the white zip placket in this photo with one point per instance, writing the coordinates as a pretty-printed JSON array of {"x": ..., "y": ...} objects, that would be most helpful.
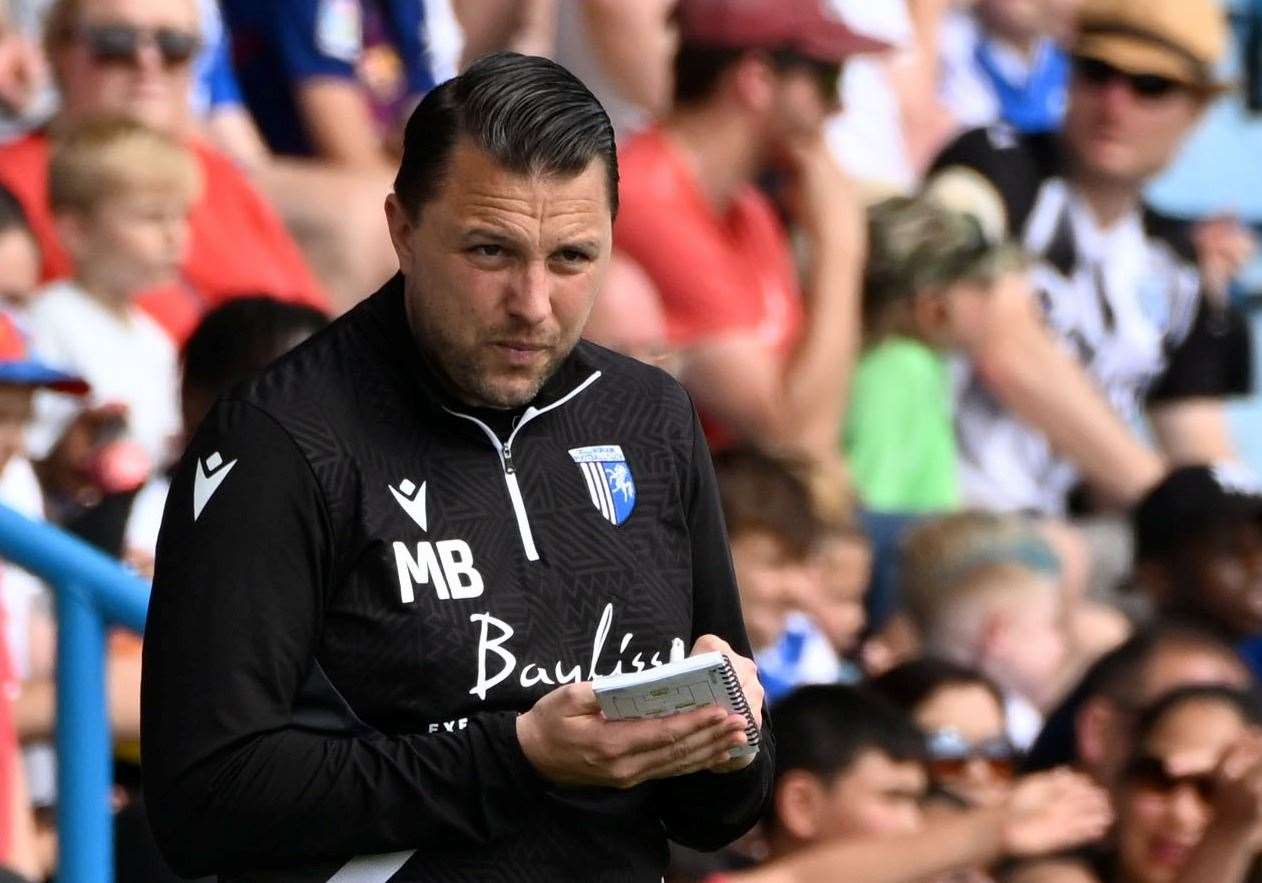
[{"x": 505, "y": 451}]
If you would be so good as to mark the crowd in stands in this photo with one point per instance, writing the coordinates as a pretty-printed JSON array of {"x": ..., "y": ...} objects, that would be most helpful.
[{"x": 998, "y": 557}]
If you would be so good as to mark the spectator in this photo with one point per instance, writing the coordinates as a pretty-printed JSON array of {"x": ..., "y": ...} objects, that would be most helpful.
[
  {"x": 19, "y": 254},
  {"x": 1006, "y": 620},
  {"x": 1118, "y": 285},
  {"x": 627, "y": 316},
  {"x": 20, "y": 593},
  {"x": 1093, "y": 727},
  {"x": 847, "y": 801},
  {"x": 843, "y": 559},
  {"x": 622, "y": 52},
  {"x": 753, "y": 84},
  {"x": 1187, "y": 800},
  {"x": 108, "y": 61},
  {"x": 774, "y": 533},
  {"x": 336, "y": 80},
  {"x": 24, "y": 92},
  {"x": 929, "y": 272},
  {"x": 121, "y": 195},
  {"x": 960, "y": 712},
  {"x": 1001, "y": 64},
  {"x": 1198, "y": 550}
]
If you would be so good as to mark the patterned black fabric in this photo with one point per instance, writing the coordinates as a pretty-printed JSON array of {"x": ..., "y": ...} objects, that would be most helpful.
[{"x": 305, "y": 585}]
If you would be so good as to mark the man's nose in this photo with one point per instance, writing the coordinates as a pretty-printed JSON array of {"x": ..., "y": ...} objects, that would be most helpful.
[{"x": 530, "y": 299}]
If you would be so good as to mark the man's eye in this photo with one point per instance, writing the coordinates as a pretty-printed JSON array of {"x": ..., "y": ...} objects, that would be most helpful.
[
  {"x": 573, "y": 256},
  {"x": 487, "y": 250}
]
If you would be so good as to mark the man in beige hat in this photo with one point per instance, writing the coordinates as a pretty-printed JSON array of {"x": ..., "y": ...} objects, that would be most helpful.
[{"x": 1123, "y": 288}]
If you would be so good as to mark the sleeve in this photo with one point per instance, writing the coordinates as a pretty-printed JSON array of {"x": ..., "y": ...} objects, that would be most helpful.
[
  {"x": 709, "y": 810},
  {"x": 406, "y": 22},
  {"x": 1215, "y": 359},
  {"x": 694, "y": 280},
  {"x": 317, "y": 38},
  {"x": 232, "y": 782},
  {"x": 219, "y": 79}
]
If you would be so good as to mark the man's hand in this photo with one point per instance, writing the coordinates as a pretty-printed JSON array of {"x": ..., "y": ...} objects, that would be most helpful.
[
  {"x": 825, "y": 201},
  {"x": 747, "y": 673},
  {"x": 1048, "y": 812},
  {"x": 1223, "y": 247},
  {"x": 1238, "y": 795},
  {"x": 568, "y": 741}
]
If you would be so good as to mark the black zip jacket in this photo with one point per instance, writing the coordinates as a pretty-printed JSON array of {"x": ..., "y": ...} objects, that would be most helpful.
[{"x": 360, "y": 586}]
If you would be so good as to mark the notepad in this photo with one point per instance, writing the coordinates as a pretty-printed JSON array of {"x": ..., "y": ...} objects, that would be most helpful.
[{"x": 694, "y": 682}]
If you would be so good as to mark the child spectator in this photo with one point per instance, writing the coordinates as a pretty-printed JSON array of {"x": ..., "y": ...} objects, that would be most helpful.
[
  {"x": 929, "y": 272},
  {"x": 1198, "y": 551},
  {"x": 1006, "y": 620},
  {"x": 774, "y": 533},
  {"x": 21, "y": 594},
  {"x": 960, "y": 712},
  {"x": 19, "y": 254},
  {"x": 844, "y": 560},
  {"x": 847, "y": 804},
  {"x": 121, "y": 195}
]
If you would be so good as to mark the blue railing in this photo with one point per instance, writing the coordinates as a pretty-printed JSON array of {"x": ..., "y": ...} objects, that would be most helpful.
[{"x": 92, "y": 592}]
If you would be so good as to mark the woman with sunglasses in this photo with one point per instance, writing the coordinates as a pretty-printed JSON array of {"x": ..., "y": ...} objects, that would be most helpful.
[
  {"x": 961, "y": 714},
  {"x": 1189, "y": 801}
]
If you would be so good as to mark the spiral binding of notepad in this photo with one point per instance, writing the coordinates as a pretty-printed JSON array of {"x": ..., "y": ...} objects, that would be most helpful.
[{"x": 732, "y": 683}]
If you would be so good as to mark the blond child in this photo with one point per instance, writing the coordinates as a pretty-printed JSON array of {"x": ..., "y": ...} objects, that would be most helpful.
[{"x": 121, "y": 195}]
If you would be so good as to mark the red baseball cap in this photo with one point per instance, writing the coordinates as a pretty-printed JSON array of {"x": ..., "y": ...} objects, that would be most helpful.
[
  {"x": 809, "y": 27},
  {"x": 19, "y": 369}
]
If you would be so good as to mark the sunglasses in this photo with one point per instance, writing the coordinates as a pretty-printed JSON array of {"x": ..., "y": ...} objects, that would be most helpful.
[
  {"x": 121, "y": 44},
  {"x": 1101, "y": 73},
  {"x": 950, "y": 755},
  {"x": 1150, "y": 774}
]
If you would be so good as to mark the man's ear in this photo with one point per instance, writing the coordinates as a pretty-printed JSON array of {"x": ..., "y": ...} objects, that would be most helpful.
[
  {"x": 799, "y": 803},
  {"x": 402, "y": 228}
]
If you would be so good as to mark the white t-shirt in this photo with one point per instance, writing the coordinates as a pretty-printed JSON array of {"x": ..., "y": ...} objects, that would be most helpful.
[{"x": 126, "y": 358}]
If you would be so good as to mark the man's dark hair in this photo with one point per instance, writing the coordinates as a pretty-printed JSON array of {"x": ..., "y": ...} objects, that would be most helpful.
[
  {"x": 759, "y": 492},
  {"x": 912, "y": 683},
  {"x": 823, "y": 728},
  {"x": 12, "y": 215},
  {"x": 239, "y": 339},
  {"x": 530, "y": 114},
  {"x": 699, "y": 68},
  {"x": 1115, "y": 676}
]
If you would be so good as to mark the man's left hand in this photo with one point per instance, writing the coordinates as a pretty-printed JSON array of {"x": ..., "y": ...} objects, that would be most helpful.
[
  {"x": 747, "y": 673},
  {"x": 1223, "y": 247}
]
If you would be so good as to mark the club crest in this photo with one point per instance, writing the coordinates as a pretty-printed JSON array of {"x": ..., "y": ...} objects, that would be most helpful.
[{"x": 609, "y": 480}]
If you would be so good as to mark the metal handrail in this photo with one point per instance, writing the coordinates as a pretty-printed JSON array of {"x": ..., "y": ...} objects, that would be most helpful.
[{"x": 93, "y": 592}]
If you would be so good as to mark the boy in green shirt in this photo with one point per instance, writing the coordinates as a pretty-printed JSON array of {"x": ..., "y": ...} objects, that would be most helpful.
[{"x": 928, "y": 273}]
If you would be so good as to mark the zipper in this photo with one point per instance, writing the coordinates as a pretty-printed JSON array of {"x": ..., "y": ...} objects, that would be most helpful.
[{"x": 504, "y": 450}]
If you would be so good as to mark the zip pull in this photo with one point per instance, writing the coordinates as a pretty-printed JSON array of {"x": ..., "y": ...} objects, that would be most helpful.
[{"x": 508, "y": 460}]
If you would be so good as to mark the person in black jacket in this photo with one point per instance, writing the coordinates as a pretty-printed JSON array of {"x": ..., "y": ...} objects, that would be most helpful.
[{"x": 390, "y": 566}]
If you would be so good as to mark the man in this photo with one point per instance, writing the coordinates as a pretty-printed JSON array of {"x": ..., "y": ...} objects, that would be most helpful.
[
  {"x": 1198, "y": 552},
  {"x": 767, "y": 359},
  {"x": 1117, "y": 284},
  {"x": 389, "y": 567}
]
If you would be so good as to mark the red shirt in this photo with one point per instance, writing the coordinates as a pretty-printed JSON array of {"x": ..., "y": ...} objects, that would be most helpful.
[
  {"x": 238, "y": 244},
  {"x": 716, "y": 273}
]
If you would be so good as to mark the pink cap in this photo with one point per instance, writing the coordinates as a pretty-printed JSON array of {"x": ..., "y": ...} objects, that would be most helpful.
[{"x": 809, "y": 27}]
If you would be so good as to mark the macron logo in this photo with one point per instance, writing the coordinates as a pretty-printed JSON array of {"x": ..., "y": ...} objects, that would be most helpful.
[
  {"x": 412, "y": 500},
  {"x": 209, "y": 474}
]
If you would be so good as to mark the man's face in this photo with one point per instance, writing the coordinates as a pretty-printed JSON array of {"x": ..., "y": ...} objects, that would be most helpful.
[
  {"x": 1122, "y": 138},
  {"x": 99, "y": 77},
  {"x": 502, "y": 270},
  {"x": 876, "y": 795},
  {"x": 806, "y": 96},
  {"x": 1220, "y": 577}
]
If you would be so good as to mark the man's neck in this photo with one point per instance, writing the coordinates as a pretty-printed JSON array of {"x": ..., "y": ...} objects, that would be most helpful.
[
  {"x": 1108, "y": 201},
  {"x": 722, "y": 152}
]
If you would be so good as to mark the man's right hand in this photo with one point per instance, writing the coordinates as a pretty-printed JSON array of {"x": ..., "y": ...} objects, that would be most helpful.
[
  {"x": 568, "y": 741},
  {"x": 826, "y": 203}
]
